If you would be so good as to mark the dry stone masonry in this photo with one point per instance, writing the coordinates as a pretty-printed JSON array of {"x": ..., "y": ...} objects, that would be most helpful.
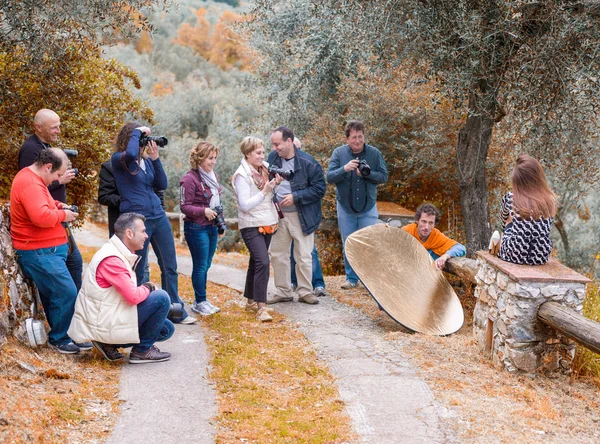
[
  {"x": 505, "y": 323},
  {"x": 15, "y": 296}
]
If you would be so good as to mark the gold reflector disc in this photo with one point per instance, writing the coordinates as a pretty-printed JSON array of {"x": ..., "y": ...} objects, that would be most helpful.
[{"x": 401, "y": 276}]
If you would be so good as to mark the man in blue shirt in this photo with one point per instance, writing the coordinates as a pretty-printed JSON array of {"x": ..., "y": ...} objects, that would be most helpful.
[{"x": 356, "y": 169}]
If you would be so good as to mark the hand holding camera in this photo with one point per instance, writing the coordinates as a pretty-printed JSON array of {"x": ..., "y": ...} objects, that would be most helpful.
[
  {"x": 71, "y": 212},
  {"x": 351, "y": 166}
]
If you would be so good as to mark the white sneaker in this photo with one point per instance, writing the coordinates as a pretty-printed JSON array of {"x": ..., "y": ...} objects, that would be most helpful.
[
  {"x": 202, "y": 308},
  {"x": 215, "y": 309},
  {"x": 189, "y": 320}
]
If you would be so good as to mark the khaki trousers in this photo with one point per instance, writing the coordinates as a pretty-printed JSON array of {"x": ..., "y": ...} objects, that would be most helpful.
[{"x": 289, "y": 229}]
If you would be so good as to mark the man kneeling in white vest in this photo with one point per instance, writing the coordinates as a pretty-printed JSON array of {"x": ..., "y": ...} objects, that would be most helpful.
[{"x": 111, "y": 310}]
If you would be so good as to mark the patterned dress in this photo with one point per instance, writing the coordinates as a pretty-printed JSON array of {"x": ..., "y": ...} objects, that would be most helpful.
[{"x": 525, "y": 241}]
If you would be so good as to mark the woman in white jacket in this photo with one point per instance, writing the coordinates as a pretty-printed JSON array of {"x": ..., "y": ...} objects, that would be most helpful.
[{"x": 257, "y": 221}]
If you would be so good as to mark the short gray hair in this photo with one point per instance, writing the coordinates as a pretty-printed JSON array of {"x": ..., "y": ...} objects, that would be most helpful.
[{"x": 126, "y": 221}]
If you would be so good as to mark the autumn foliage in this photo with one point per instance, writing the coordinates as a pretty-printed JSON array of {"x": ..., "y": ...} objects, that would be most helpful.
[
  {"x": 92, "y": 97},
  {"x": 220, "y": 44}
]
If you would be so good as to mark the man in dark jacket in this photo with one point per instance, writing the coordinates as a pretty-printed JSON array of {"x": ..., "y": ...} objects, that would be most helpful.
[
  {"x": 300, "y": 200},
  {"x": 47, "y": 129},
  {"x": 356, "y": 169}
]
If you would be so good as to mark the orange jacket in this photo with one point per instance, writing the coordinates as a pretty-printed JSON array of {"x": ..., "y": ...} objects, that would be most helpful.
[{"x": 437, "y": 241}]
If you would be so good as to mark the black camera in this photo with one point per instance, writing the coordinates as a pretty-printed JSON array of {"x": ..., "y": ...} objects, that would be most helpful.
[
  {"x": 73, "y": 208},
  {"x": 364, "y": 168},
  {"x": 175, "y": 311},
  {"x": 287, "y": 175},
  {"x": 161, "y": 141},
  {"x": 219, "y": 220},
  {"x": 71, "y": 153}
]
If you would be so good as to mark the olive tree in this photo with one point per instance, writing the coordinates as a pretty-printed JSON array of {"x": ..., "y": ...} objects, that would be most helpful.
[{"x": 535, "y": 61}]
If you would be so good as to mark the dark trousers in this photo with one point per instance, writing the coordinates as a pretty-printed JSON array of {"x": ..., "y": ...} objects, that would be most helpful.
[
  {"x": 257, "y": 277},
  {"x": 75, "y": 266},
  {"x": 153, "y": 324}
]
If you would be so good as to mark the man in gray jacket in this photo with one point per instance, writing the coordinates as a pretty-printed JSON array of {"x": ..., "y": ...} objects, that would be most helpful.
[{"x": 355, "y": 169}]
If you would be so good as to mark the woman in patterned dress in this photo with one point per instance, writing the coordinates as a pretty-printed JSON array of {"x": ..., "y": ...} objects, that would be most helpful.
[{"x": 527, "y": 213}]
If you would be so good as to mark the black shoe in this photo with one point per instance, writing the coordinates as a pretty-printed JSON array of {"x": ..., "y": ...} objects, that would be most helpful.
[
  {"x": 153, "y": 354},
  {"x": 84, "y": 346},
  {"x": 68, "y": 349},
  {"x": 109, "y": 351}
]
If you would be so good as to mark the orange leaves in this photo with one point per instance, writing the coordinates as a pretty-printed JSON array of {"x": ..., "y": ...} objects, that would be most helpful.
[
  {"x": 220, "y": 44},
  {"x": 161, "y": 90},
  {"x": 143, "y": 45}
]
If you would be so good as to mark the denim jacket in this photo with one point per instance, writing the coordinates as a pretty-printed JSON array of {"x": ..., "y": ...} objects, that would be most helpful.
[{"x": 308, "y": 188}]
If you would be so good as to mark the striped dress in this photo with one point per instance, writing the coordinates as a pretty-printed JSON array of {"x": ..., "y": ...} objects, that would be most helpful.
[{"x": 525, "y": 241}]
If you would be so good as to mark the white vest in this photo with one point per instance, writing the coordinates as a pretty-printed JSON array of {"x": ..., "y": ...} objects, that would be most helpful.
[
  {"x": 261, "y": 215},
  {"x": 101, "y": 314}
]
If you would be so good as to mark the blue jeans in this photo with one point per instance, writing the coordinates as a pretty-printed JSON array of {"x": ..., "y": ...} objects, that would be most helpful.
[
  {"x": 202, "y": 241},
  {"x": 317, "y": 273},
  {"x": 348, "y": 223},
  {"x": 153, "y": 324},
  {"x": 160, "y": 236},
  {"x": 75, "y": 266},
  {"x": 47, "y": 268}
]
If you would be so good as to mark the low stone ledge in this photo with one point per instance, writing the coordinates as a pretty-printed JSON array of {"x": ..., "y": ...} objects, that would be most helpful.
[{"x": 505, "y": 321}]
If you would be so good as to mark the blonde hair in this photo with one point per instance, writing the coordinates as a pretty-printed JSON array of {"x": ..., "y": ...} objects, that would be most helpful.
[
  {"x": 200, "y": 152},
  {"x": 532, "y": 197},
  {"x": 250, "y": 144}
]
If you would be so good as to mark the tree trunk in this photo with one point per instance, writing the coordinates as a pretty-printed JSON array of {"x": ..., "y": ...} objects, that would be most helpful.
[
  {"x": 560, "y": 227},
  {"x": 471, "y": 154}
]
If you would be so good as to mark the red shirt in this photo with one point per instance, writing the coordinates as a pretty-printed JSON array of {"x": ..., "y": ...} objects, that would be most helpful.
[
  {"x": 112, "y": 272},
  {"x": 35, "y": 220}
]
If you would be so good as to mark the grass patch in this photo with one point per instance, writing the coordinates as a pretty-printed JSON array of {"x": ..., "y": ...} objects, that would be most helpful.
[
  {"x": 270, "y": 386},
  {"x": 587, "y": 363},
  {"x": 46, "y": 397}
]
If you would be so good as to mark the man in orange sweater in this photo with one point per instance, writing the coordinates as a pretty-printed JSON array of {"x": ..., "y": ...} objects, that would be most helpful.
[
  {"x": 40, "y": 242},
  {"x": 440, "y": 247}
]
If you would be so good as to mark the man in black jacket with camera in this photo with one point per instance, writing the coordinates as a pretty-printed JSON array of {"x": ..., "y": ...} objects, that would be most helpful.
[
  {"x": 299, "y": 197},
  {"x": 47, "y": 128}
]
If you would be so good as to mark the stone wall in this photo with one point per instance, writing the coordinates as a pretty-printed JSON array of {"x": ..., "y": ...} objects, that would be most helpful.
[
  {"x": 15, "y": 299},
  {"x": 505, "y": 322}
]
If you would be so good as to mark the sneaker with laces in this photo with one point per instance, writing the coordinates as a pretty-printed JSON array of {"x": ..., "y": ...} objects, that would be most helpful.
[
  {"x": 153, "y": 354},
  {"x": 84, "y": 346},
  {"x": 188, "y": 320},
  {"x": 276, "y": 298},
  {"x": 263, "y": 315},
  {"x": 319, "y": 292},
  {"x": 109, "y": 351},
  {"x": 308, "y": 298},
  {"x": 251, "y": 306},
  {"x": 349, "y": 285},
  {"x": 66, "y": 349},
  {"x": 202, "y": 308},
  {"x": 214, "y": 308}
]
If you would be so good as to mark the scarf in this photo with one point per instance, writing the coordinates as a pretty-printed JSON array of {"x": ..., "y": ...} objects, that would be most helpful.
[
  {"x": 260, "y": 176},
  {"x": 437, "y": 241},
  {"x": 210, "y": 179}
]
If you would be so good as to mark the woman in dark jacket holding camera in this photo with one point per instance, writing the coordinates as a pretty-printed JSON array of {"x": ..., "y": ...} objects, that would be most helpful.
[
  {"x": 136, "y": 179},
  {"x": 200, "y": 195}
]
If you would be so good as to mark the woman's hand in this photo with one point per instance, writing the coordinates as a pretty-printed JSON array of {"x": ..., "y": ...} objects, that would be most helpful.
[
  {"x": 210, "y": 214},
  {"x": 278, "y": 179},
  {"x": 152, "y": 150},
  {"x": 269, "y": 186},
  {"x": 144, "y": 129}
]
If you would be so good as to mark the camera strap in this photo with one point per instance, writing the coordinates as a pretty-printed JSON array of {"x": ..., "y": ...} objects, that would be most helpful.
[{"x": 204, "y": 192}]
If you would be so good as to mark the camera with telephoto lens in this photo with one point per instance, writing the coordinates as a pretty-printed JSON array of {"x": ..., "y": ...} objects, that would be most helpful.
[
  {"x": 285, "y": 174},
  {"x": 70, "y": 154},
  {"x": 175, "y": 311},
  {"x": 219, "y": 220},
  {"x": 161, "y": 141},
  {"x": 364, "y": 168}
]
